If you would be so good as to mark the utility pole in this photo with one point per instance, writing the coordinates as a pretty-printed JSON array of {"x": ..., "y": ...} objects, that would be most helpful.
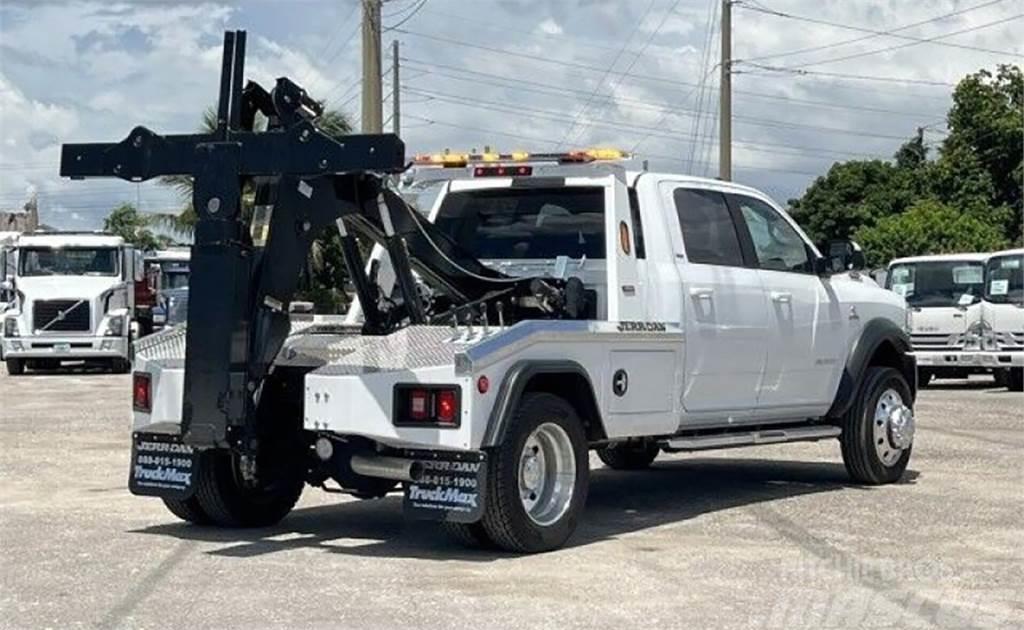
[
  {"x": 725, "y": 97},
  {"x": 396, "y": 99},
  {"x": 372, "y": 107}
]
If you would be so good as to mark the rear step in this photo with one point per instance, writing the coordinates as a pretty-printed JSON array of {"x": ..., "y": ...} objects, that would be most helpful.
[{"x": 750, "y": 438}]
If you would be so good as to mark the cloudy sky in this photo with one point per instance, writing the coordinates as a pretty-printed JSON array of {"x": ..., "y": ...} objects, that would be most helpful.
[{"x": 510, "y": 74}]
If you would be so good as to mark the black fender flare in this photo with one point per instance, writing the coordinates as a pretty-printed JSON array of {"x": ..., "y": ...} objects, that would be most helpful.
[
  {"x": 875, "y": 333},
  {"x": 514, "y": 385}
]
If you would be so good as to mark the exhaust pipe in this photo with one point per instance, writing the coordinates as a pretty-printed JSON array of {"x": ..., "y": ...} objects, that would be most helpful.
[{"x": 393, "y": 468}]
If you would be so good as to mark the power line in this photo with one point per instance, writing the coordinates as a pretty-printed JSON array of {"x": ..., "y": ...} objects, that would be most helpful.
[
  {"x": 408, "y": 17},
  {"x": 600, "y": 82},
  {"x": 854, "y": 40},
  {"x": 486, "y": 77},
  {"x": 888, "y": 33},
  {"x": 583, "y": 66},
  {"x": 914, "y": 43},
  {"x": 840, "y": 75},
  {"x": 758, "y": 121},
  {"x": 556, "y": 116}
]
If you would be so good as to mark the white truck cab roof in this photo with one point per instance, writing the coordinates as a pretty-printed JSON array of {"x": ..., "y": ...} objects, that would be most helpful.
[
  {"x": 176, "y": 255},
  {"x": 69, "y": 239},
  {"x": 1019, "y": 251},
  {"x": 967, "y": 257}
]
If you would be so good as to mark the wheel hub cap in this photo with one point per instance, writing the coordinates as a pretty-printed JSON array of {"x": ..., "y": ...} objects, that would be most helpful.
[
  {"x": 893, "y": 427},
  {"x": 901, "y": 427},
  {"x": 547, "y": 474}
]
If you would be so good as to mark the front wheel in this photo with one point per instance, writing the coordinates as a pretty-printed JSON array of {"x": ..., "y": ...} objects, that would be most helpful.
[
  {"x": 538, "y": 477},
  {"x": 878, "y": 430},
  {"x": 229, "y": 501},
  {"x": 15, "y": 367},
  {"x": 1015, "y": 379}
]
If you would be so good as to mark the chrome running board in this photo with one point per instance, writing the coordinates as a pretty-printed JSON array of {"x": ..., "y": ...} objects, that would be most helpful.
[{"x": 750, "y": 438}]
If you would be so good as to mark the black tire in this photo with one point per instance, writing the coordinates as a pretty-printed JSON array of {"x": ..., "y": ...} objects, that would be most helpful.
[
  {"x": 188, "y": 510},
  {"x": 505, "y": 520},
  {"x": 924, "y": 378},
  {"x": 857, "y": 440},
  {"x": 228, "y": 503},
  {"x": 15, "y": 367},
  {"x": 629, "y": 456},
  {"x": 471, "y": 535},
  {"x": 1015, "y": 380},
  {"x": 120, "y": 366},
  {"x": 1001, "y": 378}
]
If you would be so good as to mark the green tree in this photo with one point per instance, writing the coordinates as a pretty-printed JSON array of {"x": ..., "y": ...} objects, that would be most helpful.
[
  {"x": 133, "y": 226},
  {"x": 987, "y": 120},
  {"x": 928, "y": 227},
  {"x": 853, "y": 194}
]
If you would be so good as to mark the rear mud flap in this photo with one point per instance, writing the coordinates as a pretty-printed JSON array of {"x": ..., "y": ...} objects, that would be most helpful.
[
  {"x": 162, "y": 466},
  {"x": 451, "y": 488}
]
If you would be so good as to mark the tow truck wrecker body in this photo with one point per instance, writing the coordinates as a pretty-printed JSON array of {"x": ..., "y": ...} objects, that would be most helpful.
[{"x": 544, "y": 306}]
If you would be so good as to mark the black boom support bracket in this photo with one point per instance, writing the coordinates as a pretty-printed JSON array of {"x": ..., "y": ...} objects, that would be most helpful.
[{"x": 247, "y": 257}]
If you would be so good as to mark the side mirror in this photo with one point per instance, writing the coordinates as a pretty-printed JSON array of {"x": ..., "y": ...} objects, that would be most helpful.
[
  {"x": 840, "y": 256},
  {"x": 6, "y": 286}
]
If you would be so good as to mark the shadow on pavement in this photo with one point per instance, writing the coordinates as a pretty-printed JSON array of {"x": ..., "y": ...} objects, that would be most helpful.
[{"x": 618, "y": 503}]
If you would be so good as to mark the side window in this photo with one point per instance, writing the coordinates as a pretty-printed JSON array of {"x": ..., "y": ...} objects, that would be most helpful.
[
  {"x": 709, "y": 233},
  {"x": 638, "y": 226},
  {"x": 778, "y": 246}
]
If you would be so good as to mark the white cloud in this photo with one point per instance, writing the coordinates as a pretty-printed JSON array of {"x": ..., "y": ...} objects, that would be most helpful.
[
  {"x": 90, "y": 71},
  {"x": 550, "y": 27}
]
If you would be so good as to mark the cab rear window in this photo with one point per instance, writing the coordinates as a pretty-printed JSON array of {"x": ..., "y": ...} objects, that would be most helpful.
[{"x": 521, "y": 223}]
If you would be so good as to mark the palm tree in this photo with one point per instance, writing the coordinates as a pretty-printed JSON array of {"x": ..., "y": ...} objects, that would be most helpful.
[{"x": 325, "y": 272}]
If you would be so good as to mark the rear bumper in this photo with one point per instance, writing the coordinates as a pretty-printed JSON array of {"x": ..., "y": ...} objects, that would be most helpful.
[
  {"x": 958, "y": 359},
  {"x": 66, "y": 348},
  {"x": 997, "y": 359}
]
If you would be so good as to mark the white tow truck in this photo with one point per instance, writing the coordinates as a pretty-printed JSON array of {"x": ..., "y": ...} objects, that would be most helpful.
[
  {"x": 1003, "y": 317},
  {"x": 72, "y": 301},
  {"x": 944, "y": 293},
  {"x": 671, "y": 313}
]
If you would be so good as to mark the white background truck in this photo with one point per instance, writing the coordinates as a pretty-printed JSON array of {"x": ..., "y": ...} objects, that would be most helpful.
[
  {"x": 944, "y": 294},
  {"x": 664, "y": 313},
  {"x": 73, "y": 301},
  {"x": 1003, "y": 315}
]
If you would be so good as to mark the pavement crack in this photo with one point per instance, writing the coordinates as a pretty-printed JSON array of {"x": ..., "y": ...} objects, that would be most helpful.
[
  {"x": 145, "y": 586},
  {"x": 862, "y": 573}
]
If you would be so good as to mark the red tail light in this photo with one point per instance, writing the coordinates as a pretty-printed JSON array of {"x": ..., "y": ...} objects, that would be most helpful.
[
  {"x": 423, "y": 405},
  {"x": 446, "y": 406},
  {"x": 141, "y": 392}
]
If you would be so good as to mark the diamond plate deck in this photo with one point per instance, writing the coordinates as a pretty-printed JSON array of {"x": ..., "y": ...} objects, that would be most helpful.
[{"x": 408, "y": 349}]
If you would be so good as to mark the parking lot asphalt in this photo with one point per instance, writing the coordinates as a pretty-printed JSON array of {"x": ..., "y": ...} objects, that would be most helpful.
[{"x": 766, "y": 537}]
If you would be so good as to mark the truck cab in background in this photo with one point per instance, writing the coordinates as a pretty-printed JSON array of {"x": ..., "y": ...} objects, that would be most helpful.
[
  {"x": 163, "y": 270},
  {"x": 1003, "y": 317},
  {"x": 73, "y": 301},
  {"x": 944, "y": 293},
  {"x": 8, "y": 263}
]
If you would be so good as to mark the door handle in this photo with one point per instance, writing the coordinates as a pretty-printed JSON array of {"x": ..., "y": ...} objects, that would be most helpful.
[
  {"x": 781, "y": 297},
  {"x": 701, "y": 293}
]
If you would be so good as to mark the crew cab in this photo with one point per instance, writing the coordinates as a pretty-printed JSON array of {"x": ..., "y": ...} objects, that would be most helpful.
[
  {"x": 665, "y": 313},
  {"x": 72, "y": 301},
  {"x": 1003, "y": 317},
  {"x": 944, "y": 293}
]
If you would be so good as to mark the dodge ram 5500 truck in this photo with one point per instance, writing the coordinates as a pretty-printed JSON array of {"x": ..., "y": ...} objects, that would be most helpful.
[
  {"x": 1003, "y": 317},
  {"x": 944, "y": 294},
  {"x": 73, "y": 301},
  {"x": 547, "y": 306}
]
